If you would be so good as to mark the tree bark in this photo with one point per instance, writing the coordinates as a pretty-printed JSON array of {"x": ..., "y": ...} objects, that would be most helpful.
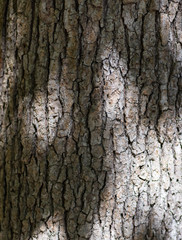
[{"x": 90, "y": 119}]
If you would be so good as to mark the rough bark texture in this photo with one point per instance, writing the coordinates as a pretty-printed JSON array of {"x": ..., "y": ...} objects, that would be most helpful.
[{"x": 90, "y": 119}]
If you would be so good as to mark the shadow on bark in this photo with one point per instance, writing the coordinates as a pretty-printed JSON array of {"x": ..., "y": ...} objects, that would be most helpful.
[{"x": 73, "y": 125}]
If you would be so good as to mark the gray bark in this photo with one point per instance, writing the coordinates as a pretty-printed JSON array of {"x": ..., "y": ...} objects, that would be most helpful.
[{"x": 90, "y": 119}]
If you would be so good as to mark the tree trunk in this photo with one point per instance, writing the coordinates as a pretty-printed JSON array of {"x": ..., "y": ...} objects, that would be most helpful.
[{"x": 90, "y": 119}]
